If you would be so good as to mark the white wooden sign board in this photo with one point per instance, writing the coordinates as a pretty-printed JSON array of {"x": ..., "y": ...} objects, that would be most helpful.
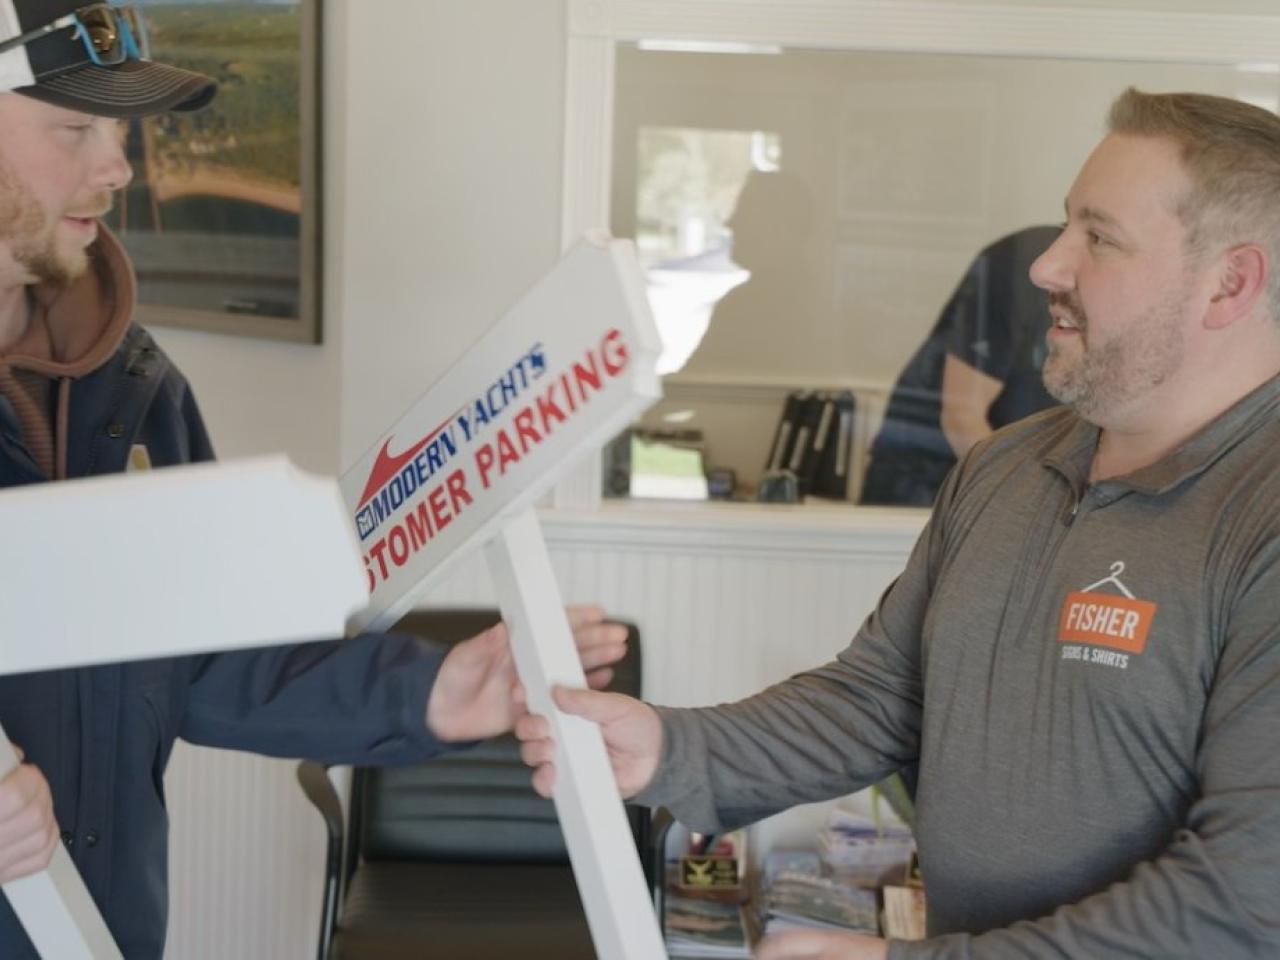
[
  {"x": 192, "y": 563},
  {"x": 572, "y": 364}
]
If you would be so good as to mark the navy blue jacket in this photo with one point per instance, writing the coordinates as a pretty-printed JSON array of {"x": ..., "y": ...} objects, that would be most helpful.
[{"x": 103, "y": 735}]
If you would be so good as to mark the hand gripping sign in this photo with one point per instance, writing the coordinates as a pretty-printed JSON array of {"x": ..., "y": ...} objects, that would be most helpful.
[
  {"x": 564, "y": 370},
  {"x": 155, "y": 565}
]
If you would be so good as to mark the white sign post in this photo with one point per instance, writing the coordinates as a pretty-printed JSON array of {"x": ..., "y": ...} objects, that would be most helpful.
[
  {"x": 193, "y": 566},
  {"x": 568, "y": 367}
]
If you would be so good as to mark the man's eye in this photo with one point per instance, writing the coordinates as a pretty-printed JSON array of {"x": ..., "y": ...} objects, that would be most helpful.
[{"x": 1096, "y": 239}]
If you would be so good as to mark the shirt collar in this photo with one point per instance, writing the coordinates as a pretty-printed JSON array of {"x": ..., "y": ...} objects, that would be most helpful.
[{"x": 1072, "y": 453}]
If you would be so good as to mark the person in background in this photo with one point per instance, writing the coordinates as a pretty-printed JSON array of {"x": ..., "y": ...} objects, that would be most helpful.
[
  {"x": 1083, "y": 651},
  {"x": 978, "y": 370},
  {"x": 81, "y": 388}
]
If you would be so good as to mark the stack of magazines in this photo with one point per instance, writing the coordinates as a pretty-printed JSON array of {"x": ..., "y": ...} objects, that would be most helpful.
[
  {"x": 804, "y": 900},
  {"x": 862, "y": 851},
  {"x": 695, "y": 927}
]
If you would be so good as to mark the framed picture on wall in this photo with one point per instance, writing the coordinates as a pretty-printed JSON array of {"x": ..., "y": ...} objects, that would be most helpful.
[{"x": 222, "y": 219}]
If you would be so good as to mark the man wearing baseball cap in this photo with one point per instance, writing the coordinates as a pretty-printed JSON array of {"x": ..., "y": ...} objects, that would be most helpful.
[{"x": 81, "y": 387}]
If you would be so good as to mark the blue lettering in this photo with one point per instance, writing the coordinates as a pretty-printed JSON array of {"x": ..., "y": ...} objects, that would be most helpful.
[
  {"x": 379, "y": 506},
  {"x": 409, "y": 480},
  {"x": 508, "y": 386},
  {"x": 433, "y": 455},
  {"x": 446, "y": 440},
  {"x": 494, "y": 408}
]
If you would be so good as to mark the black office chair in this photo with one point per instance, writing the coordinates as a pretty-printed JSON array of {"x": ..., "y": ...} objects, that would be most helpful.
[{"x": 455, "y": 858}]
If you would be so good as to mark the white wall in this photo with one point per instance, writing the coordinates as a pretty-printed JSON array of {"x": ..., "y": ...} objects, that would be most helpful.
[
  {"x": 455, "y": 135},
  {"x": 444, "y": 134}
]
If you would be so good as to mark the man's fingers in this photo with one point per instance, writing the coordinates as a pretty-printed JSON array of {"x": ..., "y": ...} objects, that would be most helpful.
[
  {"x": 600, "y": 634},
  {"x": 32, "y": 864},
  {"x": 590, "y": 704},
  {"x": 821, "y": 945},
  {"x": 544, "y": 780},
  {"x": 19, "y": 790},
  {"x": 600, "y": 655},
  {"x": 533, "y": 727},
  {"x": 792, "y": 945},
  {"x": 583, "y": 614},
  {"x": 599, "y": 678},
  {"x": 534, "y": 753}
]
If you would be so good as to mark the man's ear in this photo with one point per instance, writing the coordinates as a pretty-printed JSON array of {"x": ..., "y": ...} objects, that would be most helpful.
[{"x": 1241, "y": 280}]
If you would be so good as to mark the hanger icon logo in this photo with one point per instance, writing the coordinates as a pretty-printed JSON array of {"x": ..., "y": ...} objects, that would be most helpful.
[{"x": 1097, "y": 616}]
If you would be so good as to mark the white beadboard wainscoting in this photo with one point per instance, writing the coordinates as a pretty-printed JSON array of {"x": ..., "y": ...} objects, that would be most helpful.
[{"x": 728, "y": 598}]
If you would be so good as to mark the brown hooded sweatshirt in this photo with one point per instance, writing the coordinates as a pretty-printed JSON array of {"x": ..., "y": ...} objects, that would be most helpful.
[{"x": 73, "y": 330}]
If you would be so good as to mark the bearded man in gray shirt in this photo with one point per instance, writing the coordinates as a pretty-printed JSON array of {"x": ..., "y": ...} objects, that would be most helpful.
[{"x": 1083, "y": 653}]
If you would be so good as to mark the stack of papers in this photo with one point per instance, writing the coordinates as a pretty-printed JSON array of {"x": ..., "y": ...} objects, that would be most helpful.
[
  {"x": 704, "y": 928},
  {"x": 863, "y": 852},
  {"x": 803, "y": 900}
]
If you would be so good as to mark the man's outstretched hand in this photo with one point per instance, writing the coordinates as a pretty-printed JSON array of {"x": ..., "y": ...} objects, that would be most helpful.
[
  {"x": 632, "y": 736},
  {"x": 477, "y": 693},
  {"x": 28, "y": 831},
  {"x": 821, "y": 945}
]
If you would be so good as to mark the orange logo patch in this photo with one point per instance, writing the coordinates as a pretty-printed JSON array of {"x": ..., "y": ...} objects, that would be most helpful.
[{"x": 1106, "y": 621}]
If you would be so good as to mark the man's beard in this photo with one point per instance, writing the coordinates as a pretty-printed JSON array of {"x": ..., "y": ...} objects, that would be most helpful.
[
  {"x": 32, "y": 242},
  {"x": 1106, "y": 377}
]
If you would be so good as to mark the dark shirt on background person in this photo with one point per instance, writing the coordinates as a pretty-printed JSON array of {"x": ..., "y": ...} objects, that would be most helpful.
[{"x": 986, "y": 349}]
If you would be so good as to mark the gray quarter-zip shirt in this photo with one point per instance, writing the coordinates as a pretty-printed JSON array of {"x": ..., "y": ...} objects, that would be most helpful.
[{"x": 1089, "y": 679}]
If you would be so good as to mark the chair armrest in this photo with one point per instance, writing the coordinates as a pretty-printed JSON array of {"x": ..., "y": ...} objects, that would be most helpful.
[{"x": 314, "y": 780}]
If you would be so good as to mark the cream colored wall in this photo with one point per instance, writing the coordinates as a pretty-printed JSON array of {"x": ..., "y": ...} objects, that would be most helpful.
[
  {"x": 453, "y": 156},
  {"x": 444, "y": 134}
]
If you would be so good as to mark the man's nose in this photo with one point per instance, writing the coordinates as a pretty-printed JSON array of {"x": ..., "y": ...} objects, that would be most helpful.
[
  {"x": 113, "y": 171},
  {"x": 1053, "y": 270}
]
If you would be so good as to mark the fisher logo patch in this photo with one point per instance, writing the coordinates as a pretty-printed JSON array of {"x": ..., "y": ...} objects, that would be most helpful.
[{"x": 1093, "y": 618}]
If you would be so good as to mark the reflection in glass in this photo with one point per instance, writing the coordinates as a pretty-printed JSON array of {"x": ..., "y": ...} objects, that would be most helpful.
[
  {"x": 889, "y": 172},
  {"x": 687, "y": 183},
  {"x": 977, "y": 370}
]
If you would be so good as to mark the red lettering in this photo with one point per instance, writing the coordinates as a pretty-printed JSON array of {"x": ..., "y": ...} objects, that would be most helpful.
[
  {"x": 376, "y": 553},
  {"x": 564, "y": 384},
  {"x": 439, "y": 509},
  {"x": 547, "y": 409},
  {"x": 399, "y": 545},
  {"x": 506, "y": 452},
  {"x": 525, "y": 431},
  {"x": 588, "y": 376},
  {"x": 369, "y": 573},
  {"x": 458, "y": 495},
  {"x": 614, "y": 353},
  {"x": 484, "y": 463},
  {"x": 420, "y": 529}
]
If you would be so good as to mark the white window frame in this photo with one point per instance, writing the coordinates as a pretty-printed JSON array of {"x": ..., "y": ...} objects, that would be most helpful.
[{"x": 1170, "y": 32}]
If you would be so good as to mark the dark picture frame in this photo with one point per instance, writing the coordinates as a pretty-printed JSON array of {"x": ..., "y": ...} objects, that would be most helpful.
[{"x": 223, "y": 217}]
